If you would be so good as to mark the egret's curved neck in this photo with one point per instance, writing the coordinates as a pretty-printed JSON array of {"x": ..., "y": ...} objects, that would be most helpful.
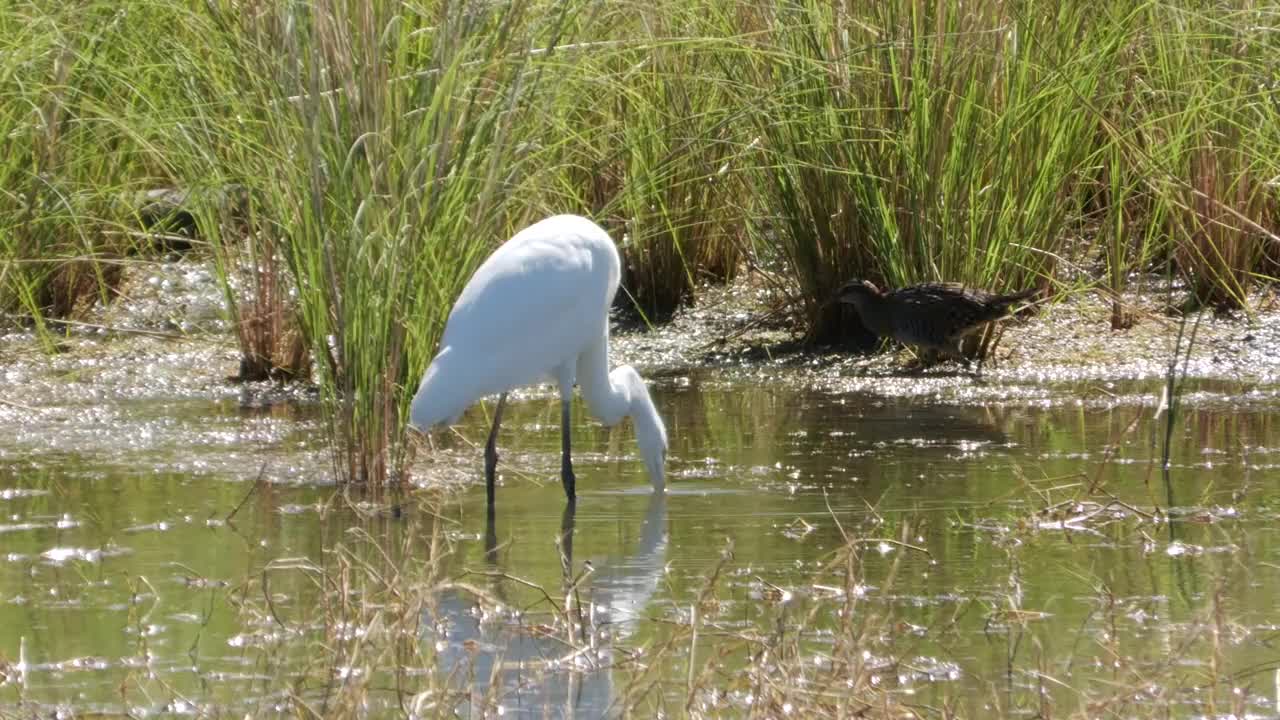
[
  {"x": 608, "y": 400},
  {"x": 612, "y": 396}
]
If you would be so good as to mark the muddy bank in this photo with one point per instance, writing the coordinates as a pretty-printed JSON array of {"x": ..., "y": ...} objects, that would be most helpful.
[
  {"x": 167, "y": 337},
  {"x": 1068, "y": 340}
]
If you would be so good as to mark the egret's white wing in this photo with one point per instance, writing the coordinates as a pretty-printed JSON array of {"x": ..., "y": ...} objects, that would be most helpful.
[
  {"x": 531, "y": 309},
  {"x": 533, "y": 305}
]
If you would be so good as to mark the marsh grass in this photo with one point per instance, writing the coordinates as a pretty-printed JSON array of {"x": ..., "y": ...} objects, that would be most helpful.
[
  {"x": 1215, "y": 250},
  {"x": 676, "y": 124},
  {"x": 92, "y": 109},
  {"x": 260, "y": 296},
  {"x": 386, "y": 166},
  {"x": 650, "y": 155},
  {"x": 386, "y": 148},
  {"x": 894, "y": 127},
  {"x": 1190, "y": 138}
]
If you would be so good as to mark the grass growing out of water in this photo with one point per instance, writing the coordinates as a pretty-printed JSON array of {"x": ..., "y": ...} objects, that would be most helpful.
[
  {"x": 650, "y": 156},
  {"x": 67, "y": 154},
  {"x": 260, "y": 296},
  {"x": 1208, "y": 117}
]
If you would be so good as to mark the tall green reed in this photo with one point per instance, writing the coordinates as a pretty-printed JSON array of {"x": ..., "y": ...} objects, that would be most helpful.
[
  {"x": 1205, "y": 120},
  {"x": 102, "y": 102},
  {"x": 1188, "y": 134},
  {"x": 650, "y": 154},
  {"x": 385, "y": 168},
  {"x": 919, "y": 142},
  {"x": 62, "y": 83}
]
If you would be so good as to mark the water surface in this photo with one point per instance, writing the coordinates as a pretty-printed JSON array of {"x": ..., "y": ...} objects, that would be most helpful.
[{"x": 176, "y": 552}]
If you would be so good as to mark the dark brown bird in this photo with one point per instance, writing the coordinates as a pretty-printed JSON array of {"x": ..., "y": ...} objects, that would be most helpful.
[{"x": 932, "y": 316}]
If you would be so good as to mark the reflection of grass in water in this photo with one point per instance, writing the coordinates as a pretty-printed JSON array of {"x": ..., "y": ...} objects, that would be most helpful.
[{"x": 843, "y": 641}]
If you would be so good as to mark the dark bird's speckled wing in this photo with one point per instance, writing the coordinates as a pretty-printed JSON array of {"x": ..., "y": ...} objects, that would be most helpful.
[{"x": 937, "y": 315}]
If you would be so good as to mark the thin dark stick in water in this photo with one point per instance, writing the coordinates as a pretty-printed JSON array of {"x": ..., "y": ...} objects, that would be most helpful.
[
  {"x": 1117, "y": 502},
  {"x": 835, "y": 519},
  {"x": 527, "y": 583},
  {"x": 257, "y": 481}
]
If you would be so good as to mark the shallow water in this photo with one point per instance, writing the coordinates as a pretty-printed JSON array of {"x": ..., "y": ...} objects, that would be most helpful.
[{"x": 165, "y": 552}]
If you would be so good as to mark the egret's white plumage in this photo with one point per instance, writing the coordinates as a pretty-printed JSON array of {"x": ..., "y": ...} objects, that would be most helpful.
[{"x": 537, "y": 309}]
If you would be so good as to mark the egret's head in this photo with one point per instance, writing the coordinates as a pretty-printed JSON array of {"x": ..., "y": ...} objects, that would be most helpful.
[
  {"x": 652, "y": 440},
  {"x": 437, "y": 400},
  {"x": 857, "y": 292},
  {"x": 651, "y": 434}
]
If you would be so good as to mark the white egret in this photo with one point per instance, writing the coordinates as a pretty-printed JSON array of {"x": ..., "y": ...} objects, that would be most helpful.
[{"x": 537, "y": 309}]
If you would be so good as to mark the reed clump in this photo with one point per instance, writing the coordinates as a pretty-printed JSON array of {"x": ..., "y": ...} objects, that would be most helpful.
[
  {"x": 386, "y": 167},
  {"x": 652, "y": 155}
]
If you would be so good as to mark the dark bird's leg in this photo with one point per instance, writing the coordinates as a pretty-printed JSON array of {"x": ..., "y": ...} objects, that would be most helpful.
[
  {"x": 976, "y": 366},
  {"x": 924, "y": 359},
  {"x": 566, "y": 463},
  {"x": 491, "y": 449}
]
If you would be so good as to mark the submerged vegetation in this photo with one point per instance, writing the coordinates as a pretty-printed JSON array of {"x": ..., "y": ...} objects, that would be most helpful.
[{"x": 383, "y": 148}]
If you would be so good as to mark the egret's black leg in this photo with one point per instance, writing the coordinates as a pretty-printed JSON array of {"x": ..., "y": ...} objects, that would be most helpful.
[
  {"x": 490, "y": 537},
  {"x": 566, "y": 463},
  {"x": 566, "y": 541},
  {"x": 491, "y": 448}
]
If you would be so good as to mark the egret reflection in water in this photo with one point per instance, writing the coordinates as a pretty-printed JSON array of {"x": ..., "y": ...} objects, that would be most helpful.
[{"x": 557, "y": 666}]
